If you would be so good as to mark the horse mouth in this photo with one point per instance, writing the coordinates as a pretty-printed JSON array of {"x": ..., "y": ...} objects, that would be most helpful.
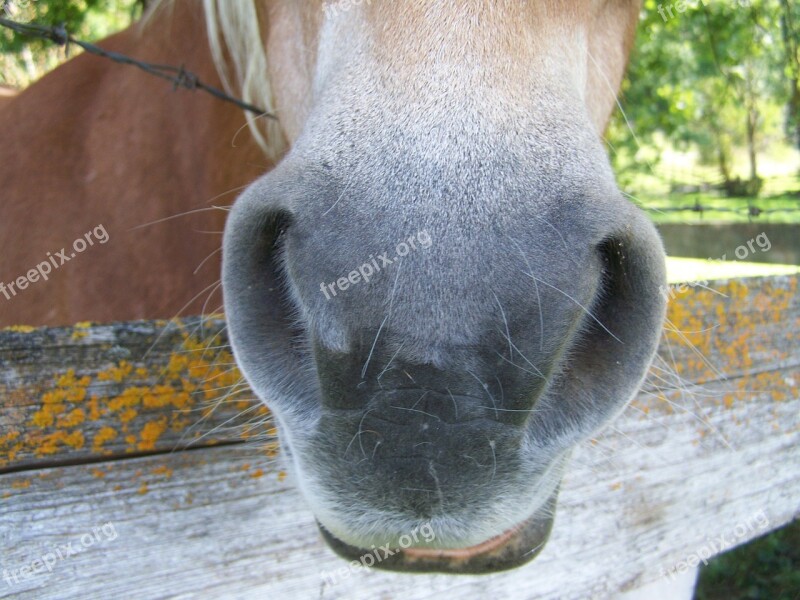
[{"x": 510, "y": 549}]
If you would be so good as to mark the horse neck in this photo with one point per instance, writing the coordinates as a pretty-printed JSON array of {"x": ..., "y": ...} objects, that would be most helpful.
[
  {"x": 95, "y": 98},
  {"x": 98, "y": 142}
]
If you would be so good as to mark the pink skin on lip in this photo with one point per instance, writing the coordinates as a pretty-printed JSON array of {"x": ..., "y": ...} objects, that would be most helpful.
[{"x": 462, "y": 553}]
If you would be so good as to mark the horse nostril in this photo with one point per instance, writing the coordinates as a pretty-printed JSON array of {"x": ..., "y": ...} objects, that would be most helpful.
[
  {"x": 627, "y": 290},
  {"x": 615, "y": 255},
  {"x": 609, "y": 358}
]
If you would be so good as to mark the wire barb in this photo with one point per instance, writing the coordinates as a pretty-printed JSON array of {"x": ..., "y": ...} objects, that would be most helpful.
[
  {"x": 749, "y": 211},
  {"x": 179, "y": 76}
]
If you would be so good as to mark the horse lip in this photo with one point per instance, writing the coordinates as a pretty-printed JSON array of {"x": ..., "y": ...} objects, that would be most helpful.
[
  {"x": 490, "y": 545},
  {"x": 512, "y": 548}
]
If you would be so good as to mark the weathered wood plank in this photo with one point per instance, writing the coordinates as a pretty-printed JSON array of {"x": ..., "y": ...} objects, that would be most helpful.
[
  {"x": 93, "y": 392},
  {"x": 657, "y": 490},
  {"x": 685, "y": 464},
  {"x": 84, "y": 393},
  {"x": 732, "y": 327}
]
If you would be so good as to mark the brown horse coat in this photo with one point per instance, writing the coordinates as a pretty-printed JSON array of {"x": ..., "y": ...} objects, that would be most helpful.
[{"x": 95, "y": 143}]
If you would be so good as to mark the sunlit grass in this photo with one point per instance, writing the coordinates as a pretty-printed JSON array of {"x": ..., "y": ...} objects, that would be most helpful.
[
  {"x": 652, "y": 185},
  {"x": 696, "y": 269}
]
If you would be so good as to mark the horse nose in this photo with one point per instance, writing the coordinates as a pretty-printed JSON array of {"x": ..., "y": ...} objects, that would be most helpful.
[
  {"x": 428, "y": 440},
  {"x": 470, "y": 384}
]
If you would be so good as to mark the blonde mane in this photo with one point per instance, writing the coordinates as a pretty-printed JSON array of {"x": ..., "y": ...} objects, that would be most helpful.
[{"x": 238, "y": 48}]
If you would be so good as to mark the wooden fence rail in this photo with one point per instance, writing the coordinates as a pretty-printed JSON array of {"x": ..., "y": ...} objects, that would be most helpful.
[{"x": 134, "y": 463}]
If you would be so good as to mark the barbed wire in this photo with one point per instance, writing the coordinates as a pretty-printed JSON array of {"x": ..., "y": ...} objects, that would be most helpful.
[
  {"x": 178, "y": 76},
  {"x": 748, "y": 211}
]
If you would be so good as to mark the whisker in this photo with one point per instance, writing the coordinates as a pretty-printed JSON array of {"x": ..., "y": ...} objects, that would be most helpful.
[
  {"x": 391, "y": 307},
  {"x": 505, "y": 322},
  {"x": 175, "y": 317},
  {"x": 179, "y": 215},
  {"x": 536, "y": 289},
  {"x": 586, "y": 310},
  {"x": 519, "y": 367},
  {"x": 206, "y": 259},
  {"x": 486, "y": 389}
]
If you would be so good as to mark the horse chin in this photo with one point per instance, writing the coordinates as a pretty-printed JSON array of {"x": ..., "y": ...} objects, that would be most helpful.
[{"x": 512, "y": 548}]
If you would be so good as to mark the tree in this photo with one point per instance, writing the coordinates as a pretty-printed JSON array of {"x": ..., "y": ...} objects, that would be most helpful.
[
  {"x": 791, "y": 45},
  {"x": 23, "y": 60},
  {"x": 709, "y": 76}
]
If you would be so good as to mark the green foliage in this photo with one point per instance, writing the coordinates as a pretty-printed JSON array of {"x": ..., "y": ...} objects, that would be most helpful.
[
  {"x": 23, "y": 60},
  {"x": 73, "y": 13},
  {"x": 706, "y": 75},
  {"x": 763, "y": 569}
]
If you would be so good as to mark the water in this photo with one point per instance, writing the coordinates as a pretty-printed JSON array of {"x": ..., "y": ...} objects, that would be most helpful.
[{"x": 751, "y": 242}]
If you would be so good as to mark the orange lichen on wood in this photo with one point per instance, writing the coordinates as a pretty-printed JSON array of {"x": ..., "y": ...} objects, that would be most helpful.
[
  {"x": 122, "y": 407},
  {"x": 116, "y": 373},
  {"x": 722, "y": 326},
  {"x": 20, "y": 328},
  {"x": 150, "y": 434},
  {"x": 128, "y": 389},
  {"x": 725, "y": 347},
  {"x": 72, "y": 419},
  {"x": 105, "y": 434},
  {"x": 51, "y": 443},
  {"x": 163, "y": 470}
]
